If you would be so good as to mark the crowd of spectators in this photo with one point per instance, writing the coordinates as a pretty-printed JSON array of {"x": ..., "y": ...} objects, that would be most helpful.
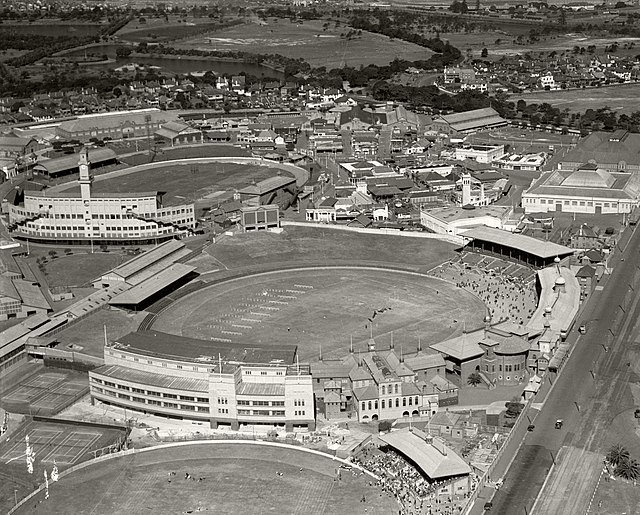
[
  {"x": 507, "y": 295},
  {"x": 416, "y": 495}
]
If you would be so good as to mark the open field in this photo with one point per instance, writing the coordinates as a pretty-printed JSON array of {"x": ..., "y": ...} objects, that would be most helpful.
[
  {"x": 236, "y": 478},
  {"x": 622, "y": 98},
  {"x": 187, "y": 183},
  {"x": 323, "y": 309},
  {"x": 161, "y": 29},
  {"x": 76, "y": 269},
  {"x": 309, "y": 41},
  {"x": 320, "y": 245},
  {"x": 507, "y": 45}
]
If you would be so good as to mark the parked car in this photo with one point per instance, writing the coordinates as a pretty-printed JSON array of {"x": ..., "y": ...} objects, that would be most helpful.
[
  {"x": 559, "y": 423},
  {"x": 583, "y": 328}
]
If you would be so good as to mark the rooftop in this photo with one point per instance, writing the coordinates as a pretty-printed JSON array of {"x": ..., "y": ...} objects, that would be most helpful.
[
  {"x": 151, "y": 379},
  {"x": 538, "y": 248},
  {"x": 435, "y": 459},
  {"x": 181, "y": 348}
]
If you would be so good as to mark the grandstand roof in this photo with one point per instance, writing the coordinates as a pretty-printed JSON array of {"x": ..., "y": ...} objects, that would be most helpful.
[
  {"x": 8, "y": 289},
  {"x": 66, "y": 163},
  {"x": 173, "y": 347},
  {"x": 151, "y": 379},
  {"x": 476, "y": 118},
  {"x": 435, "y": 459},
  {"x": 564, "y": 306},
  {"x": 31, "y": 294},
  {"x": 267, "y": 185},
  {"x": 538, "y": 248},
  {"x": 152, "y": 285},
  {"x": 139, "y": 263}
]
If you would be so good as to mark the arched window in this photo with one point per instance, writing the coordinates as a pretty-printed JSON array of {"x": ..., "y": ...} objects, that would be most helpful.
[
  {"x": 397, "y": 402},
  {"x": 376, "y": 404},
  {"x": 410, "y": 401},
  {"x": 382, "y": 403},
  {"x": 363, "y": 405},
  {"x": 404, "y": 401},
  {"x": 369, "y": 404},
  {"x": 416, "y": 400}
]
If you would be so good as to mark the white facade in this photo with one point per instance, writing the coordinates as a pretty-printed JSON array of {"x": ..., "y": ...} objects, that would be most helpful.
[
  {"x": 110, "y": 217},
  {"x": 601, "y": 204},
  {"x": 267, "y": 394},
  {"x": 480, "y": 153},
  {"x": 453, "y": 221}
]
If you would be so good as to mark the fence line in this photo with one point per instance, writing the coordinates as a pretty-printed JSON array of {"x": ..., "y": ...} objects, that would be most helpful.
[
  {"x": 456, "y": 240},
  {"x": 128, "y": 452}
]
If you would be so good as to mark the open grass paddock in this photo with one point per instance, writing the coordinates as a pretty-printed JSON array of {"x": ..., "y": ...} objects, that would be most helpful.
[
  {"x": 310, "y": 41},
  {"x": 622, "y": 98},
  {"x": 237, "y": 478},
  {"x": 324, "y": 308}
]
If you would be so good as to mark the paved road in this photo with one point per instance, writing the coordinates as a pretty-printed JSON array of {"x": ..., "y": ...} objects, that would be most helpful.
[{"x": 588, "y": 395}]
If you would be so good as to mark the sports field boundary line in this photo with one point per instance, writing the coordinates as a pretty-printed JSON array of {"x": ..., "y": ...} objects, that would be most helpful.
[
  {"x": 130, "y": 452},
  {"x": 147, "y": 323}
]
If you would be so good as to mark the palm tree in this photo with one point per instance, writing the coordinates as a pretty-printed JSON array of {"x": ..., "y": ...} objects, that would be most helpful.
[
  {"x": 617, "y": 454},
  {"x": 474, "y": 379},
  {"x": 628, "y": 469}
]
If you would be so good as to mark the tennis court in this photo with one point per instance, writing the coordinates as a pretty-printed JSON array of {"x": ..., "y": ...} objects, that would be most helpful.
[
  {"x": 72, "y": 447},
  {"x": 65, "y": 443},
  {"x": 45, "y": 393}
]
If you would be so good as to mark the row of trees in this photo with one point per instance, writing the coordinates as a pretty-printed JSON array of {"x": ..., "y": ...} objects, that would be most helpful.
[{"x": 623, "y": 464}]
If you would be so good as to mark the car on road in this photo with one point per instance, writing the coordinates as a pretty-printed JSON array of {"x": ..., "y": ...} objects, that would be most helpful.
[
  {"x": 530, "y": 427},
  {"x": 559, "y": 423}
]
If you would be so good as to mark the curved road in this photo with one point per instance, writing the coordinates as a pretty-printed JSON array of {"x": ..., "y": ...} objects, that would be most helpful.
[{"x": 589, "y": 393}]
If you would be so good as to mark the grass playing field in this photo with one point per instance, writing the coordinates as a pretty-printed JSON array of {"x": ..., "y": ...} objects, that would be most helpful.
[
  {"x": 237, "y": 478},
  {"x": 76, "y": 269},
  {"x": 310, "y": 41},
  {"x": 190, "y": 182},
  {"x": 623, "y": 98},
  {"x": 316, "y": 309}
]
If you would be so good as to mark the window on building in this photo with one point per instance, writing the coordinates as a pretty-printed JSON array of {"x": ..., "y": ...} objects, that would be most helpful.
[
  {"x": 363, "y": 406},
  {"x": 369, "y": 405},
  {"x": 397, "y": 403}
]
